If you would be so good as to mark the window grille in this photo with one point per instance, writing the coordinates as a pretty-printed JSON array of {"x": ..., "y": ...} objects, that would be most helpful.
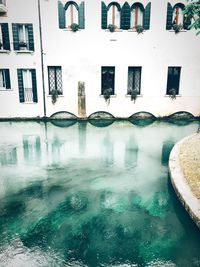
[
  {"x": 134, "y": 79},
  {"x": 55, "y": 79}
]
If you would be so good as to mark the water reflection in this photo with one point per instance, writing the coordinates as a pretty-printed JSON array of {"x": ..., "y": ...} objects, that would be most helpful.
[
  {"x": 8, "y": 156},
  {"x": 92, "y": 197}
]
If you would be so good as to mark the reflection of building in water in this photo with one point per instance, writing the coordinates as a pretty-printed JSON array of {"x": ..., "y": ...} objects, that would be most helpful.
[
  {"x": 107, "y": 151},
  {"x": 82, "y": 136},
  {"x": 166, "y": 149},
  {"x": 32, "y": 147},
  {"x": 131, "y": 153},
  {"x": 8, "y": 156}
]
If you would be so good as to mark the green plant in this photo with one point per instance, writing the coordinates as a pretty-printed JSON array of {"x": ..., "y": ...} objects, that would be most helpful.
[
  {"x": 106, "y": 94},
  {"x": 54, "y": 95},
  {"x": 112, "y": 27},
  {"x": 134, "y": 94},
  {"x": 177, "y": 27},
  {"x": 139, "y": 29},
  {"x": 74, "y": 27},
  {"x": 172, "y": 93},
  {"x": 22, "y": 44}
]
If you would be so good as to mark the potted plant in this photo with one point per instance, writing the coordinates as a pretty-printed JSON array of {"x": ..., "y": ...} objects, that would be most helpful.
[
  {"x": 22, "y": 44},
  {"x": 134, "y": 94},
  {"x": 54, "y": 95},
  {"x": 74, "y": 27},
  {"x": 172, "y": 93},
  {"x": 106, "y": 94},
  {"x": 177, "y": 27},
  {"x": 139, "y": 29},
  {"x": 112, "y": 27}
]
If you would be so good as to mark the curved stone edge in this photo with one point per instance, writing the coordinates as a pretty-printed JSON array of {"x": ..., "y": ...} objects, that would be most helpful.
[{"x": 190, "y": 202}]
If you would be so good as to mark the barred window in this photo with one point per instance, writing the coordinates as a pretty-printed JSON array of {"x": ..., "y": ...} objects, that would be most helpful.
[
  {"x": 134, "y": 79},
  {"x": 55, "y": 79}
]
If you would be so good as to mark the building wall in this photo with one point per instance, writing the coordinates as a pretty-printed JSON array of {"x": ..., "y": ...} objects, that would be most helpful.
[{"x": 82, "y": 54}]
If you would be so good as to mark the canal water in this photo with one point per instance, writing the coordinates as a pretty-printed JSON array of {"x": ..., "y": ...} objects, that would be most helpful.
[{"x": 92, "y": 194}]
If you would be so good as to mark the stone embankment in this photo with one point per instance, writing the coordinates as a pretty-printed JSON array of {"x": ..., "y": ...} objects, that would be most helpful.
[{"x": 184, "y": 168}]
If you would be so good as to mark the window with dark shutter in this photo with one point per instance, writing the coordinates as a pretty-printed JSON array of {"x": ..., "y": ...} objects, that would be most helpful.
[
  {"x": 4, "y": 37},
  {"x": 107, "y": 80},
  {"x": 173, "y": 80},
  {"x": 114, "y": 14},
  {"x": 5, "y": 79},
  {"x": 23, "y": 37},
  {"x": 125, "y": 16},
  {"x": 103, "y": 16}
]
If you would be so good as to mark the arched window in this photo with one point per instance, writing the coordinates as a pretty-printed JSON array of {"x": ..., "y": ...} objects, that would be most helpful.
[
  {"x": 71, "y": 14},
  {"x": 137, "y": 15},
  {"x": 178, "y": 16},
  {"x": 114, "y": 14}
]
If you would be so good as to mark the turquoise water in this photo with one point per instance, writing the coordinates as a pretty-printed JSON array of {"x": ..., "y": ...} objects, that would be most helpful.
[{"x": 92, "y": 194}]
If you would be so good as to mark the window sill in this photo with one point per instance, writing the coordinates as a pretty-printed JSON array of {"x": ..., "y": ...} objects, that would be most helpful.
[
  {"x": 28, "y": 103},
  {"x": 170, "y": 95},
  {"x": 137, "y": 95},
  {"x": 4, "y": 51},
  {"x": 112, "y": 96},
  {"x": 24, "y": 52},
  {"x": 58, "y": 95},
  {"x": 177, "y": 32},
  {"x": 117, "y": 30},
  {"x": 5, "y": 90},
  {"x": 133, "y": 30}
]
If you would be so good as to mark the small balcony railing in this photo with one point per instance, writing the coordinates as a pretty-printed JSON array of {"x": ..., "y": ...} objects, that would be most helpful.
[{"x": 3, "y": 8}]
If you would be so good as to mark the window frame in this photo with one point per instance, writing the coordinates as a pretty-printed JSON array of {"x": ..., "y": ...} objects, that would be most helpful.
[
  {"x": 55, "y": 74},
  {"x": 112, "y": 68},
  {"x": 137, "y": 7},
  {"x": 130, "y": 69},
  {"x": 5, "y": 79},
  {"x": 114, "y": 8},
  {"x": 172, "y": 82},
  {"x": 69, "y": 8}
]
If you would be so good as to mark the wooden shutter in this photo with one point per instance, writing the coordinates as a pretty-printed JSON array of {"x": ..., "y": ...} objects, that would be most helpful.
[
  {"x": 30, "y": 37},
  {"x": 81, "y": 16},
  {"x": 7, "y": 76},
  {"x": 34, "y": 85},
  {"x": 15, "y": 36},
  {"x": 147, "y": 13},
  {"x": 20, "y": 85},
  {"x": 125, "y": 16},
  {"x": 5, "y": 35},
  {"x": 169, "y": 16},
  {"x": 61, "y": 15},
  {"x": 103, "y": 16}
]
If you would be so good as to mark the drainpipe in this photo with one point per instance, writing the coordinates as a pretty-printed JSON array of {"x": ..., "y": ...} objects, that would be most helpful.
[{"x": 42, "y": 58}]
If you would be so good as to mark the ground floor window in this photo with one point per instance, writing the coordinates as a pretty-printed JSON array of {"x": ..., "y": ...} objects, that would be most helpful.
[
  {"x": 55, "y": 79},
  {"x": 134, "y": 80},
  {"x": 107, "y": 80},
  {"x": 173, "y": 80},
  {"x": 4, "y": 79},
  {"x": 27, "y": 85}
]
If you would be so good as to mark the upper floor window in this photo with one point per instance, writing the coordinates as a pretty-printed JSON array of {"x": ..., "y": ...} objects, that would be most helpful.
[
  {"x": 176, "y": 19},
  {"x": 70, "y": 13},
  {"x": 114, "y": 14},
  {"x": 23, "y": 37},
  {"x": 125, "y": 17},
  {"x": 55, "y": 79},
  {"x": 137, "y": 15},
  {"x": 4, "y": 79},
  {"x": 27, "y": 85},
  {"x": 4, "y": 37},
  {"x": 173, "y": 80}
]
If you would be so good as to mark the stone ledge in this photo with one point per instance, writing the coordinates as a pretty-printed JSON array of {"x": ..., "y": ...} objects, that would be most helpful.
[{"x": 180, "y": 185}]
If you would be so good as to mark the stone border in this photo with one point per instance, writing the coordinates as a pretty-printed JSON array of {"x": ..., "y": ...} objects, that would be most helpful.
[{"x": 180, "y": 185}]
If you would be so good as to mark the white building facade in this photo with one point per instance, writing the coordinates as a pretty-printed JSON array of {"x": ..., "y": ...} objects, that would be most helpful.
[{"x": 131, "y": 56}]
